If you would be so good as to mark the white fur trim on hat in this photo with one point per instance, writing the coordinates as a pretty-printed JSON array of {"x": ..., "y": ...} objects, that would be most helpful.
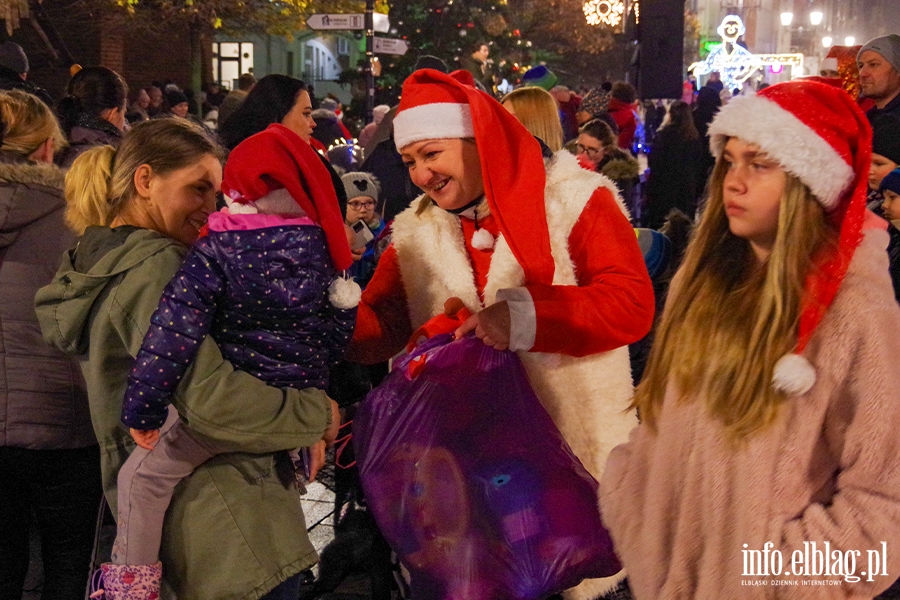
[
  {"x": 437, "y": 121},
  {"x": 344, "y": 293},
  {"x": 829, "y": 64},
  {"x": 788, "y": 140},
  {"x": 793, "y": 375},
  {"x": 276, "y": 202}
]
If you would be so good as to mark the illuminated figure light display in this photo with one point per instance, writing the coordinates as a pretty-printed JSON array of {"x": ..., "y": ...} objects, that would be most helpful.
[
  {"x": 607, "y": 12},
  {"x": 735, "y": 63}
]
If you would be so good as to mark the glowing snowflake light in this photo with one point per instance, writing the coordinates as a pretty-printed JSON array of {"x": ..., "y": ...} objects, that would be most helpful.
[{"x": 608, "y": 12}]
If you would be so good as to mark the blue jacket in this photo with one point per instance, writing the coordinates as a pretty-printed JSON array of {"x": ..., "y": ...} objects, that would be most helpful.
[{"x": 263, "y": 295}]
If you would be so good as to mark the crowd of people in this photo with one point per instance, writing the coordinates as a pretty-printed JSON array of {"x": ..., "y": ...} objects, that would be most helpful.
[{"x": 189, "y": 292}]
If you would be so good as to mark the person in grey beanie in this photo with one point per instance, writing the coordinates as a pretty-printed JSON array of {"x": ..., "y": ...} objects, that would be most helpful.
[
  {"x": 14, "y": 69},
  {"x": 363, "y": 191},
  {"x": 879, "y": 74}
]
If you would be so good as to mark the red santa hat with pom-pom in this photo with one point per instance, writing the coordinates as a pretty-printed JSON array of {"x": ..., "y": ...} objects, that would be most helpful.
[
  {"x": 275, "y": 171},
  {"x": 817, "y": 133},
  {"x": 435, "y": 105}
]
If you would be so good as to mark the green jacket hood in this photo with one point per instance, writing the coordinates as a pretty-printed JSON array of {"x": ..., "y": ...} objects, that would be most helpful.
[{"x": 64, "y": 306}]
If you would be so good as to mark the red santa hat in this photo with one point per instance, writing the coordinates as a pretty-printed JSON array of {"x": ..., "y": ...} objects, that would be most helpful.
[
  {"x": 276, "y": 159},
  {"x": 435, "y": 105},
  {"x": 817, "y": 133}
]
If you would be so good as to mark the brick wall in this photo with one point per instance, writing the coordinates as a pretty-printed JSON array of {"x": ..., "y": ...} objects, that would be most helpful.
[
  {"x": 79, "y": 33},
  {"x": 112, "y": 47},
  {"x": 140, "y": 57},
  {"x": 157, "y": 57}
]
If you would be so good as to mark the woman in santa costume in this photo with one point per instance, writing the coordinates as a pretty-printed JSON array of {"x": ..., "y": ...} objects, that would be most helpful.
[
  {"x": 770, "y": 407},
  {"x": 541, "y": 251}
]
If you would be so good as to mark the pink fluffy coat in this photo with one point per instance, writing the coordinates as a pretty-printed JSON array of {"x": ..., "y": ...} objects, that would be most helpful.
[{"x": 682, "y": 502}]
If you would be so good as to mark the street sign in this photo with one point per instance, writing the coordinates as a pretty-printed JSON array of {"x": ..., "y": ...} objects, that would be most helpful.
[
  {"x": 348, "y": 21},
  {"x": 336, "y": 22},
  {"x": 381, "y": 22},
  {"x": 390, "y": 46}
]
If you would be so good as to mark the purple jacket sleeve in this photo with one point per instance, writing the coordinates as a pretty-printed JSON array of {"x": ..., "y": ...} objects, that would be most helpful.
[
  {"x": 343, "y": 322},
  {"x": 181, "y": 322}
]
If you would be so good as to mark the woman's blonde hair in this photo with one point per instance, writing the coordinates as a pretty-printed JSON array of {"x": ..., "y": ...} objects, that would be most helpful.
[
  {"x": 101, "y": 181},
  {"x": 731, "y": 318},
  {"x": 537, "y": 110},
  {"x": 27, "y": 123}
]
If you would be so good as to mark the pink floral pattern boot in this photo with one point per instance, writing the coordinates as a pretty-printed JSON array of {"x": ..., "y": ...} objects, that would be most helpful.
[{"x": 129, "y": 582}]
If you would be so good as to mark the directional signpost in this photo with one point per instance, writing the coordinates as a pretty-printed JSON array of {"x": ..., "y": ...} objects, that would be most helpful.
[
  {"x": 390, "y": 46},
  {"x": 320, "y": 22},
  {"x": 370, "y": 22},
  {"x": 348, "y": 21}
]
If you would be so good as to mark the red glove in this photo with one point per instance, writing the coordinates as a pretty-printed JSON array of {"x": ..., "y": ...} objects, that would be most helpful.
[{"x": 455, "y": 314}]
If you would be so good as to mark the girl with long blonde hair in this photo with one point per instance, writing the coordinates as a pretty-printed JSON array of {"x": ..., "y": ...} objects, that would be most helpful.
[{"x": 769, "y": 407}]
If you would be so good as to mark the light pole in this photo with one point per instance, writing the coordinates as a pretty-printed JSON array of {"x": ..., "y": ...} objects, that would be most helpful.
[
  {"x": 370, "y": 57},
  {"x": 807, "y": 39}
]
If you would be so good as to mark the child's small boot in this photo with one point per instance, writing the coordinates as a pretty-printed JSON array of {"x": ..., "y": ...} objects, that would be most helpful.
[{"x": 130, "y": 582}]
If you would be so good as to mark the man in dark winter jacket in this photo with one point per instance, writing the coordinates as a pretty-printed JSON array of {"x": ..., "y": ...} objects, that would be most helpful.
[
  {"x": 14, "y": 72},
  {"x": 479, "y": 66},
  {"x": 382, "y": 159},
  {"x": 879, "y": 75}
]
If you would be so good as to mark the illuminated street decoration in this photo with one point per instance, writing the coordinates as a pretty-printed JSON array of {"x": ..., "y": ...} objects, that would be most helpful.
[
  {"x": 608, "y": 12},
  {"x": 735, "y": 63}
]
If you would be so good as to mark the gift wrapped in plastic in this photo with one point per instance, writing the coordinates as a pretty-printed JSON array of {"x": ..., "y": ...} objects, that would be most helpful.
[{"x": 471, "y": 482}]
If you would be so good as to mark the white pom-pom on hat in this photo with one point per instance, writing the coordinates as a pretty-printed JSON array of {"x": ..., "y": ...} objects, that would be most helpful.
[
  {"x": 344, "y": 293},
  {"x": 793, "y": 375},
  {"x": 483, "y": 240}
]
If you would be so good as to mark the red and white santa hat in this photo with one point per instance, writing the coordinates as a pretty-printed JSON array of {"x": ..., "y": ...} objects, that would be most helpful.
[
  {"x": 435, "y": 105},
  {"x": 278, "y": 159},
  {"x": 817, "y": 133}
]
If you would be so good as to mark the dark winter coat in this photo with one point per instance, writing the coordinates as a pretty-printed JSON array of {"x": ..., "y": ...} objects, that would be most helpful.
[
  {"x": 263, "y": 295},
  {"x": 43, "y": 401},
  {"x": 327, "y": 130},
  {"x": 231, "y": 103},
  {"x": 676, "y": 176},
  {"x": 87, "y": 133},
  {"x": 894, "y": 257},
  {"x": 397, "y": 189},
  {"x": 892, "y": 108},
  {"x": 10, "y": 80},
  {"x": 708, "y": 104},
  {"x": 235, "y": 527},
  {"x": 481, "y": 73},
  {"x": 624, "y": 169}
]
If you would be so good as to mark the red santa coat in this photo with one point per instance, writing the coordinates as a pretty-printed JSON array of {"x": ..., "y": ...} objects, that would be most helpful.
[{"x": 600, "y": 301}]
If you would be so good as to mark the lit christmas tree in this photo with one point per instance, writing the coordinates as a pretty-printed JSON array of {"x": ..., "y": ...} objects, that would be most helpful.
[
  {"x": 447, "y": 29},
  {"x": 520, "y": 34}
]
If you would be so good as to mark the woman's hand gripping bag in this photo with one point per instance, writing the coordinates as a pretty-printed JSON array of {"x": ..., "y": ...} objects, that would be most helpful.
[{"x": 470, "y": 481}]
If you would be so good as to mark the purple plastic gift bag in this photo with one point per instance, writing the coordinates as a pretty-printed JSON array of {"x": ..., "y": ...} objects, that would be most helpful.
[{"x": 471, "y": 482}]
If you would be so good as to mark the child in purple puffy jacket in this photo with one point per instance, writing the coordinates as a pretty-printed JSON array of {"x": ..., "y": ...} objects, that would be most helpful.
[{"x": 264, "y": 282}]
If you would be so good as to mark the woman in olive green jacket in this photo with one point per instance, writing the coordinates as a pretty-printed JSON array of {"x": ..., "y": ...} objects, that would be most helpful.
[{"x": 234, "y": 529}]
